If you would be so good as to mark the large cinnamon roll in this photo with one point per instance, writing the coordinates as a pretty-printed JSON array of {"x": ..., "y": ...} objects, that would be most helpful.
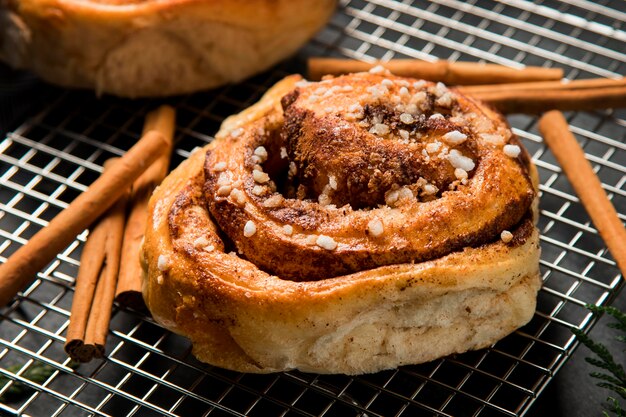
[{"x": 347, "y": 226}]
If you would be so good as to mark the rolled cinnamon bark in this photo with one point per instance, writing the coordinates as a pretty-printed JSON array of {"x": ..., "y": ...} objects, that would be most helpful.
[
  {"x": 91, "y": 262},
  {"x": 128, "y": 291},
  {"x": 89, "y": 282},
  {"x": 466, "y": 73},
  {"x": 585, "y": 84},
  {"x": 22, "y": 266},
  {"x": 537, "y": 101},
  {"x": 100, "y": 315},
  {"x": 571, "y": 157}
]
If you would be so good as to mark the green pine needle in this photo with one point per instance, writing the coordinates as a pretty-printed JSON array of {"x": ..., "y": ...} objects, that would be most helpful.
[
  {"x": 617, "y": 389},
  {"x": 615, "y": 407},
  {"x": 37, "y": 372},
  {"x": 608, "y": 378},
  {"x": 612, "y": 367},
  {"x": 616, "y": 380},
  {"x": 612, "y": 311}
]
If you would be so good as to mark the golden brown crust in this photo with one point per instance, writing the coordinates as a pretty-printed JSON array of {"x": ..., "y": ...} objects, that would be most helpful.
[
  {"x": 153, "y": 48},
  {"x": 204, "y": 280}
]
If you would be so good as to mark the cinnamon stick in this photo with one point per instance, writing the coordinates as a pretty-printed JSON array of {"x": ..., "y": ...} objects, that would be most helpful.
[
  {"x": 571, "y": 157},
  {"x": 91, "y": 261},
  {"x": 452, "y": 73},
  {"x": 537, "y": 101},
  {"x": 100, "y": 315},
  {"x": 22, "y": 266},
  {"x": 585, "y": 84},
  {"x": 128, "y": 291},
  {"x": 97, "y": 250}
]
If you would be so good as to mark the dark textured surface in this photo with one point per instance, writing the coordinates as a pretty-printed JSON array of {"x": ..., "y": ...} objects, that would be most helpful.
[
  {"x": 573, "y": 392},
  {"x": 19, "y": 91},
  {"x": 58, "y": 139}
]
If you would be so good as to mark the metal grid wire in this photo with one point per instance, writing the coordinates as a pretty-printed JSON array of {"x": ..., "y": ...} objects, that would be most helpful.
[{"x": 50, "y": 158}]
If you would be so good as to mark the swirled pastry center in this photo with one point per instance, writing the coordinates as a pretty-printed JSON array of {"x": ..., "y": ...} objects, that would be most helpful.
[
  {"x": 362, "y": 171},
  {"x": 363, "y": 150}
]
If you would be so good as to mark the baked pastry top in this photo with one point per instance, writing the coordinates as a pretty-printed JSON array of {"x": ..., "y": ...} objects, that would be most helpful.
[
  {"x": 347, "y": 226},
  {"x": 141, "y": 48}
]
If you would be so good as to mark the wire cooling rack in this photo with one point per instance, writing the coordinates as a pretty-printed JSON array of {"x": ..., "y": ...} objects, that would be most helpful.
[{"x": 48, "y": 159}]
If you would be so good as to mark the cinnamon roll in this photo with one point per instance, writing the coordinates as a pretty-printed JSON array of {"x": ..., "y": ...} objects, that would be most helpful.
[
  {"x": 347, "y": 226},
  {"x": 154, "y": 48}
]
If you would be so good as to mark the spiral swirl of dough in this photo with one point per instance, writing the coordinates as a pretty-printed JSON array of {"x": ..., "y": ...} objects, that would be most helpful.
[{"x": 363, "y": 171}]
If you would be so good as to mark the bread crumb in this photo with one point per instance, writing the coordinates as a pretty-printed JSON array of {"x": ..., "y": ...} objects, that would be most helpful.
[
  {"x": 391, "y": 197},
  {"x": 235, "y": 133},
  {"x": 283, "y": 153},
  {"x": 224, "y": 190},
  {"x": 200, "y": 242},
  {"x": 160, "y": 279},
  {"x": 238, "y": 196},
  {"x": 259, "y": 190},
  {"x": 223, "y": 179},
  {"x": 506, "y": 236},
  {"x": 249, "y": 229},
  {"x": 377, "y": 91},
  {"x": 324, "y": 199},
  {"x": 378, "y": 69},
  {"x": 274, "y": 201},
  {"x": 405, "y": 193},
  {"x": 512, "y": 151},
  {"x": 379, "y": 129},
  {"x": 491, "y": 138},
  {"x": 220, "y": 166},
  {"x": 326, "y": 242},
  {"x": 418, "y": 98},
  {"x": 293, "y": 169},
  {"x": 460, "y": 174},
  {"x": 458, "y": 160},
  {"x": 375, "y": 227},
  {"x": 433, "y": 147},
  {"x": 209, "y": 248},
  {"x": 288, "y": 229},
  {"x": 332, "y": 181},
  {"x": 260, "y": 176},
  {"x": 356, "y": 111},
  {"x": 430, "y": 189},
  {"x": 445, "y": 100},
  {"x": 455, "y": 137},
  {"x": 261, "y": 152},
  {"x": 406, "y": 118},
  {"x": 163, "y": 263},
  {"x": 440, "y": 89}
]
